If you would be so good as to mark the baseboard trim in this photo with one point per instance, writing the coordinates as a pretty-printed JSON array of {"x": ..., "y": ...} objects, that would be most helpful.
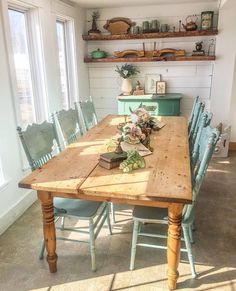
[
  {"x": 9, "y": 217},
  {"x": 232, "y": 146}
]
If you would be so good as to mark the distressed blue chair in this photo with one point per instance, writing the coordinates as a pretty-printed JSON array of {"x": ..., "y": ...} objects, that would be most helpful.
[
  {"x": 40, "y": 143},
  {"x": 90, "y": 119},
  {"x": 204, "y": 121},
  {"x": 199, "y": 109},
  {"x": 69, "y": 123},
  {"x": 141, "y": 214},
  {"x": 190, "y": 120},
  {"x": 88, "y": 112}
]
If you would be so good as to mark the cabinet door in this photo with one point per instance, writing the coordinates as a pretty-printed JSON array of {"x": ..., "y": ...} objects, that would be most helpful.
[{"x": 168, "y": 107}]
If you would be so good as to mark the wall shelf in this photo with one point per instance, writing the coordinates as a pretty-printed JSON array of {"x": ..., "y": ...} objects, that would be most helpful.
[
  {"x": 150, "y": 35},
  {"x": 149, "y": 59}
]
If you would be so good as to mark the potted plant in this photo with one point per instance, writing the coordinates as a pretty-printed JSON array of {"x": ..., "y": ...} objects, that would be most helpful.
[
  {"x": 94, "y": 30},
  {"x": 126, "y": 71}
]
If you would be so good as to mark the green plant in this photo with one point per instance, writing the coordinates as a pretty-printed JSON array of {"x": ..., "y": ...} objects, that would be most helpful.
[
  {"x": 127, "y": 71},
  {"x": 95, "y": 15}
]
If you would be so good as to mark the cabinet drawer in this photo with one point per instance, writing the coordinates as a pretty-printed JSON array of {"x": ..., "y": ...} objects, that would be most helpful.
[{"x": 156, "y": 107}]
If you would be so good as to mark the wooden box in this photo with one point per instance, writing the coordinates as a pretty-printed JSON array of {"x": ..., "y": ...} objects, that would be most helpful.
[{"x": 111, "y": 160}]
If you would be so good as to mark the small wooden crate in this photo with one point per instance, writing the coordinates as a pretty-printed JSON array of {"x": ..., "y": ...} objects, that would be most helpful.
[{"x": 111, "y": 160}]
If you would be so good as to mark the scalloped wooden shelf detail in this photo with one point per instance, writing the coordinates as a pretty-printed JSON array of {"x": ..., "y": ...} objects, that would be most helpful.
[
  {"x": 151, "y": 35},
  {"x": 148, "y": 59}
]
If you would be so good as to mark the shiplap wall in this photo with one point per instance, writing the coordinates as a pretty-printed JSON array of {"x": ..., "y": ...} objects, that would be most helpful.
[{"x": 189, "y": 78}]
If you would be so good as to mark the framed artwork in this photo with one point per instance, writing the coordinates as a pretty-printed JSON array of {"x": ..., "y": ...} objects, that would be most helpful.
[
  {"x": 150, "y": 82},
  {"x": 160, "y": 87}
]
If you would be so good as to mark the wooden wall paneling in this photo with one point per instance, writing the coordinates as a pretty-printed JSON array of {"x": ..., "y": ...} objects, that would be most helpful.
[{"x": 189, "y": 78}]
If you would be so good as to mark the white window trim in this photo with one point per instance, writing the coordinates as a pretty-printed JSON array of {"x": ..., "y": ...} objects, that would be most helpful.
[
  {"x": 38, "y": 71},
  {"x": 71, "y": 59},
  {"x": 43, "y": 114}
]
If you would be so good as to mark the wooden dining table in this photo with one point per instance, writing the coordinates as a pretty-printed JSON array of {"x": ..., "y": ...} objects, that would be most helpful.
[{"x": 164, "y": 182}]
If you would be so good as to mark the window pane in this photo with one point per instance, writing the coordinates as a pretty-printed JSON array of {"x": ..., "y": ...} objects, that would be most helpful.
[
  {"x": 61, "y": 40},
  {"x": 22, "y": 65}
]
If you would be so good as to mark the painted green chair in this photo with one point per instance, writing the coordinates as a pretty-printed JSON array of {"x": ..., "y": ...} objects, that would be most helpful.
[
  {"x": 88, "y": 112},
  {"x": 199, "y": 109},
  {"x": 141, "y": 214},
  {"x": 204, "y": 121},
  {"x": 40, "y": 143},
  {"x": 69, "y": 124},
  {"x": 90, "y": 119},
  {"x": 190, "y": 120}
]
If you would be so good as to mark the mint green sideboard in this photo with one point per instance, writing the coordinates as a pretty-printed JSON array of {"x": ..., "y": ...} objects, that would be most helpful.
[{"x": 163, "y": 105}]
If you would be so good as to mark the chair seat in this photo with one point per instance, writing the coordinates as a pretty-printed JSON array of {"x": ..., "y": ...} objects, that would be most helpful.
[
  {"x": 151, "y": 214},
  {"x": 80, "y": 208},
  {"x": 158, "y": 215}
]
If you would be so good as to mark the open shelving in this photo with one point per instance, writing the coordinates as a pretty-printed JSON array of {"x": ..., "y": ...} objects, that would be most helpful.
[
  {"x": 149, "y": 59},
  {"x": 101, "y": 37}
]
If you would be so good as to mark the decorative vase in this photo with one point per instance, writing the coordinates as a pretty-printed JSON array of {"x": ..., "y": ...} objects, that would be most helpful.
[{"x": 126, "y": 86}]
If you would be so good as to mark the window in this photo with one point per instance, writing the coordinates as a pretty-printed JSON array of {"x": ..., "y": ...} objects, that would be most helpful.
[
  {"x": 66, "y": 52},
  {"x": 28, "y": 65},
  {"x": 22, "y": 65}
]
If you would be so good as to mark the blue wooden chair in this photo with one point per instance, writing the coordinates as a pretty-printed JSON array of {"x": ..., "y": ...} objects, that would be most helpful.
[
  {"x": 204, "y": 121},
  {"x": 88, "y": 112},
  {"x": 40, "y": 143},
  {"x": 199, "y": 109},
  {"x": 143, "y": 214},
  {"x": 69, "y": 124},
  {"x": 190, "y": 120},
  {"x": 90, "y": 119}
]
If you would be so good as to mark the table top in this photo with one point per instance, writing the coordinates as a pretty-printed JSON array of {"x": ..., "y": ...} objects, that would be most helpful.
[{"x": 75, "y": 171}]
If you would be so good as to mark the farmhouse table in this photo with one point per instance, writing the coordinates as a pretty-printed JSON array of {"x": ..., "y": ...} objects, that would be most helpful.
[{"x": 164, "y": 182}]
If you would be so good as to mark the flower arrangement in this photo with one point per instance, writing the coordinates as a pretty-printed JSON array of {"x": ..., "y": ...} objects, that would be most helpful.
[
  {"x": 127, "y": 70},
  {"x": 131, "y": 133}
]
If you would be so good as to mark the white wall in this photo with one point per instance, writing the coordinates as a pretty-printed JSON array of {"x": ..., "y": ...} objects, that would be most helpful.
[
  {"x": 189, "y": 78},
  {"x": 14, "y": 201},
  {"x": 223, "y": 103}
]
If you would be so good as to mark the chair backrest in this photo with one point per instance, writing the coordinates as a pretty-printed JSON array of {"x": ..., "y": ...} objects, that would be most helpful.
[
  {"x": 69, "y": 124},
  {"x": 39, "y": 142},
  {"x": 88, "y": 113},
  {"x": 208, "y": 139},
  {"x": 203, "y": 121},
  {"x": 190, "y": 120},
  {"x": 199, "y": 109}
]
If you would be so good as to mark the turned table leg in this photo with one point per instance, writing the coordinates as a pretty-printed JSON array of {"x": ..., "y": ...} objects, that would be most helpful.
[
  {"x": 173, "y": 243},
  {"x": 49, "y": 229}
]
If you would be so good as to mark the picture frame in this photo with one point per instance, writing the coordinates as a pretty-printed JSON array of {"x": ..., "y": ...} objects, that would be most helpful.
[
  {"x": 160, "y": 87},
  {"x": 150, "y": 83}
]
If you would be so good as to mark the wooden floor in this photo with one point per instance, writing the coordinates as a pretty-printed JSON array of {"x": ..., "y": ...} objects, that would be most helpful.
[{"x": 214, "y": 249}]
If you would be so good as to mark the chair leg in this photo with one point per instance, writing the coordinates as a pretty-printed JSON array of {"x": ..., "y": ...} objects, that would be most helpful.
[
  {"x": 108, "y": 218},
  {"x": 62, "y": 223},
  {"x": 113, "y": 218},
  {"x": 193, "y": 226},
  {"x": 92, "y": 244},
  {"x": 191, "y": 234},
  {"x": 134, "y": 242},
  {"x": 41, "y": 254},
  {"x": 189, "y": 250}
]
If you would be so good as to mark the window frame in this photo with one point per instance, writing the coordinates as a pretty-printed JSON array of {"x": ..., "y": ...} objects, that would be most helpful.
[
  {"x": 36, "y": 60},
  {"x": 70, "y": 55}
]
